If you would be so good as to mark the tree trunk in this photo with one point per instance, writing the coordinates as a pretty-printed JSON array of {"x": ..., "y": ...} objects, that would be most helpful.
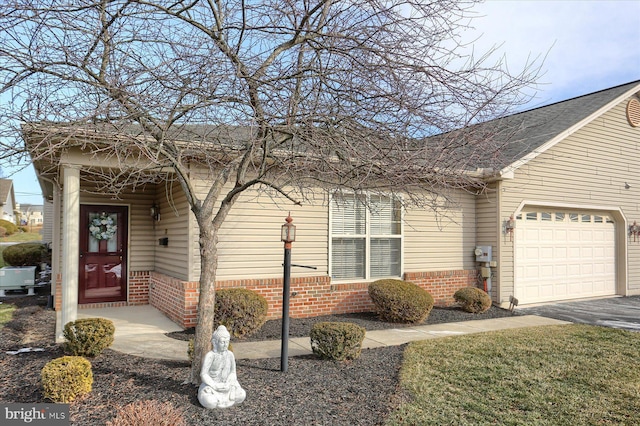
[{"x": 207, "y": 298}]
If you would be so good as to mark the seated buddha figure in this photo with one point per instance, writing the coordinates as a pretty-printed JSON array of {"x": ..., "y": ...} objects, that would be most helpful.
[{"x": 220, "y": 387}]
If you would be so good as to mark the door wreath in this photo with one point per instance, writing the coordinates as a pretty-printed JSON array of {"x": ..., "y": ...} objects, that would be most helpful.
[{"x": 102, "y": 227}]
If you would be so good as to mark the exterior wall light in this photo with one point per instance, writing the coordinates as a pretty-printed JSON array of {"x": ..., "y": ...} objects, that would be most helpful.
[
  {"x": 634, "y": 230},
  {"x": 510, "y": 226},
  {"x": 154, "y": 212}
]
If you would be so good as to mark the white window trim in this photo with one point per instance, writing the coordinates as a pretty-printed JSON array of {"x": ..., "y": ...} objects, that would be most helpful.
[{"x": 367, "y": 238}]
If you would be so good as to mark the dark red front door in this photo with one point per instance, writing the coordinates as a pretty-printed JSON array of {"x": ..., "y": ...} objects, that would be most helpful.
[{"x": 103, "y": 254}]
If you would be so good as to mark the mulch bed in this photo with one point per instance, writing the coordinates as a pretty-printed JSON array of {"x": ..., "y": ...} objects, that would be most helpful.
[{"x": 311, "y": 392}]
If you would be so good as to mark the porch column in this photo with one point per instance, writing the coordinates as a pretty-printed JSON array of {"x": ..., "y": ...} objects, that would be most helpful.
[
  {"x": 70, "y": 243},
  {"x": 56, "y": 238}
]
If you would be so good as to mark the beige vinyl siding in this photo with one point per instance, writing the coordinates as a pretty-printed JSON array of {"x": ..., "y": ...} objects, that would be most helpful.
[
  {"x": 249, "y": 243},
  {"x": 175, "y": 223},
  {"x": 47, "y": 221},
  {"x": 588, "y": 168},
  {"x": 259, "y": 251},
  {"x": 488, "y": 229},
  {"x": 443, "y": 241}
]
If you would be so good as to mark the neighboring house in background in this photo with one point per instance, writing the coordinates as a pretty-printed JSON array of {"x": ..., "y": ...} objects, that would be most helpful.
[
  {"x": 558, "y": 222},
  {"x": 7, "y": 201},
  {"x": 31, "y": 215}
]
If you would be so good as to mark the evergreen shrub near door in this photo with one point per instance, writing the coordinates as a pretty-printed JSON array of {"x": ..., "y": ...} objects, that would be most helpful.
[
  {"x": 88, "y": 336},
  {"x": 337, "y": 340},
  {"x": 242, "y": 311},
  {"x": 400, "y": 301}
]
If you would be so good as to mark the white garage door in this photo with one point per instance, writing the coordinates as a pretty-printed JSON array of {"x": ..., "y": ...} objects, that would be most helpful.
[{"x": 562, "y": 255}]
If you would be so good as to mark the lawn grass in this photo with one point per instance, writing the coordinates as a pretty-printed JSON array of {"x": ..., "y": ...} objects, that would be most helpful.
[
  {"x": 21, "y": 237},
  {"x": 6, "y": 313},
  {"x": 558, "y": 375}
]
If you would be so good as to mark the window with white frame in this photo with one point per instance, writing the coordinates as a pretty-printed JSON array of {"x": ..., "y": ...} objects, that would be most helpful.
[{"x": 366, "y": 239}]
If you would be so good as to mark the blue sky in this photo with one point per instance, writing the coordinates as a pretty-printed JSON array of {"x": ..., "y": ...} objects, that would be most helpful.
[{"x": 587, "y": 45}]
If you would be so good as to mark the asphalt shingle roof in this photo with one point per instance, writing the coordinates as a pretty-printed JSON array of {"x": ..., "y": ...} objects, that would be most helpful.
[{"x": 535, "y": 127}]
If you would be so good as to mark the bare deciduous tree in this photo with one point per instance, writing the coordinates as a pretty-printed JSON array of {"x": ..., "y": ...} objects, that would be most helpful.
[{"x": 280, "y": 94}]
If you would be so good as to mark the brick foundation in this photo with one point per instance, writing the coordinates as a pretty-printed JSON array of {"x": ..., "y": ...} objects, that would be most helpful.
[
  {"x": 139, "y": 288},
  {"x": 310, "y": 296},
  {"x": 177, "y": 299},
  {"x": 443, "y": 284},
  {"x": 138, "y": 293}
]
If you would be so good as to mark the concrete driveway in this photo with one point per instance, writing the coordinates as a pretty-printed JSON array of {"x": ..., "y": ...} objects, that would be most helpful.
[{"x": 614, "y": 312}]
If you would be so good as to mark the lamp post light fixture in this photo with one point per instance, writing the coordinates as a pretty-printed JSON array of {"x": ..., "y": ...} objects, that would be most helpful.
[
  {"x": 288, "y": 232},
  {"x": 287, "y": 235}
]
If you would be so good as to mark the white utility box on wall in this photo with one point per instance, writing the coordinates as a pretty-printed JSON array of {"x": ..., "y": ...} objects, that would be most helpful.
[{"x": 483, "y": 253}]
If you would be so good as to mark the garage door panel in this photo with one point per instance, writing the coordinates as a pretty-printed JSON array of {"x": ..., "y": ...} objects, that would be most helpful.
[
  {"x": 564, "y": 259},
  {"x": 574, "y": 252},
  {"x": 586, "y": 252},
  {"x": 547, "y": 271},
  {"x": 574, "y": 234},
  {"x": 560, "y": 290},
  {"x": 546, "y": 235},
  {"x": 586, "y": 269},
  {"x": 561, "y": 235},
  {"x": 546, "y": 254}
]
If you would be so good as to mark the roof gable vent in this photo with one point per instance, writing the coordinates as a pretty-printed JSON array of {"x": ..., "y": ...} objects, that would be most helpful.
[{"x": 633, "y": 112}]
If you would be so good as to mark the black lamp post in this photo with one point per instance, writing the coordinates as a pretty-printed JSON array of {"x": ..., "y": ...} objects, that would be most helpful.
[{"x": 288, "y": 235}]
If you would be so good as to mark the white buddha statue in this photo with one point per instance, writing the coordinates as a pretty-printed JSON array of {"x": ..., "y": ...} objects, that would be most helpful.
[{"x": 220, "y": 387}]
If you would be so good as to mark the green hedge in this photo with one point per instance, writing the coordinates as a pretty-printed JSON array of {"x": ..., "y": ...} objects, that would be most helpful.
[
  {"x": 242, "y": 311},
  {"x": 400, "y": 301},
  {"x": 88, "y": 336},
  {"x": 66, "y": 378},
  {"x": 337, "y": 340},
  {"x": 10, "y": 227},
  {"x": 26, "y": 254},
  {"x": 472, "y": 299}
]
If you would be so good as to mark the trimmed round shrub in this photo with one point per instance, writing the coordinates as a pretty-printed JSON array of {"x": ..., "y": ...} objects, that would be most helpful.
[
  {"x": 242, "y": 311},
  {"x": 88, "y": 336},
  {"x": 337, "y": 340},
  {"x": 148, "y": 412},
  {"x": 400, "y": 301},
  {"x": 472, "y": 299},
  {"x": 26, "y": 254},
  {"x": 66, "y": 378},
  {"x": 9, "y": 226}
]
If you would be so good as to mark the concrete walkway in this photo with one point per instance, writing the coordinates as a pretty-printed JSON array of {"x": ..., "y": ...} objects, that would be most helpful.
[{"x": 140, "y": 330}]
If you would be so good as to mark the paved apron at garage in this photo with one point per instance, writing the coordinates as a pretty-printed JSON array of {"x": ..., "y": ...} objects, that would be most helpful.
[{"x": 614, "y": 312}]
